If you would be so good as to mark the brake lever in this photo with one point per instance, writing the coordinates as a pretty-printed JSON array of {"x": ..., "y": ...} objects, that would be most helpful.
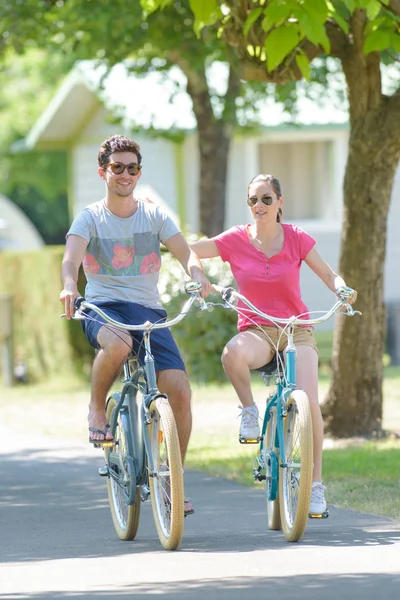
[{"x": 350, "y": 312}]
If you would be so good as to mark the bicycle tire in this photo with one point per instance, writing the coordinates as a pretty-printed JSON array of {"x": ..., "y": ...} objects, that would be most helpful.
[
  {"x": 295, "y": 476},
  {"x": 273, "y": 509},
  {"x": 166, "y": 485},
  {"x": 125, "y": 516}
]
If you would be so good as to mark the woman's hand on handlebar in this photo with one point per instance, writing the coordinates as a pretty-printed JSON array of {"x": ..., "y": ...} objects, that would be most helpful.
[{"x": 347, "y": 294}]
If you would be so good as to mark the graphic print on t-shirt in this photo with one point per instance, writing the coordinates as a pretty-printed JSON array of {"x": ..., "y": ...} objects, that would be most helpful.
[{"x": 137, "y": 255}]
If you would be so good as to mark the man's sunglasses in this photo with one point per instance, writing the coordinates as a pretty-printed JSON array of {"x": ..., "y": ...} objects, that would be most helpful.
[
  {"x": 118, "y": 168},
  {"x": 268, "y": 200}
]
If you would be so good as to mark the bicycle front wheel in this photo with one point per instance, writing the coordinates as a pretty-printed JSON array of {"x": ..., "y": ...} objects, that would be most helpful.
[
  {"x": 125, "y": 516},
  {"x": 166, "y": 482},
  {"x": 271, "y": 460},
  {"x": 295, "y": 476}
]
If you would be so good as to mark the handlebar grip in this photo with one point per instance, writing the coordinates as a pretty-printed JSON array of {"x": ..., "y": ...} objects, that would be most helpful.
[
  {"x": 345, "y": 293},
  {"x": 217, "y": 288},
  {"x": 225, "y": 292},
  {"x": 78, "y": 301}
]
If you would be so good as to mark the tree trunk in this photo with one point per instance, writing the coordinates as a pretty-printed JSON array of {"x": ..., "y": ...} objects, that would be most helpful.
[
  {"x": 214, "y": 151},
  {"x": 354, "y": 403},
  {"x": 214, "y": 138}
]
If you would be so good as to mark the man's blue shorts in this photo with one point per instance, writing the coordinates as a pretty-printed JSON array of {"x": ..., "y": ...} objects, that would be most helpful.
[{"x": 163, "y": 346}]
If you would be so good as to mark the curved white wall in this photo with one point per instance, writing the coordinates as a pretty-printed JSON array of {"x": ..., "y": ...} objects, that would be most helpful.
[{"x": 17, "y": 232}]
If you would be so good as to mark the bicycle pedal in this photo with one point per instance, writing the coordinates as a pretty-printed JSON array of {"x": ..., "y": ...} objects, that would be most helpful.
[
  {"x": 243, "y": 440},
  {"x": 324, "y": 515},
  {"x": 103, "y": 471},
  {"x": 106, "y": 444}
]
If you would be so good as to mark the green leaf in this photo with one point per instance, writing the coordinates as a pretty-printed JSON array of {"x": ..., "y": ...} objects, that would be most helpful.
[
  {"x": 313, "y": 30},
  {"x": 350, "y": 5},
  {"x": 344, "y": 26},
  {"x": 318, "y": 8},
  {"x": 251, "y": 19},
  {"x": 363, "y": 3},
  {"x": 279, "y": 43},
  {"x": 150, "y": 6},
  {"x": 304, "y": 65},
  {"x": 373, "y": 9},
  {"x": 377, "y": 41},
  {"x": 376, "y": 24},
  {"x": 396, "y": 41},
  {"x": 206, "y": 12},
  {"x": 276, "y": 14}
]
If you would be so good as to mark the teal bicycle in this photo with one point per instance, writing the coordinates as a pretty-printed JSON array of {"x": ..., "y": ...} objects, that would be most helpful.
[{"x": 285, "y": 457}]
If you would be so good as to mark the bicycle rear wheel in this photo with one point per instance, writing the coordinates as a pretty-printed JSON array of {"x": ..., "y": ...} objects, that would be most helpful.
[
  {"x": 166, "y": 483},
  {"x": 295, "y": 477},
  {"x": 271, "y": 460},
  {"x": 125, "y": 516}
]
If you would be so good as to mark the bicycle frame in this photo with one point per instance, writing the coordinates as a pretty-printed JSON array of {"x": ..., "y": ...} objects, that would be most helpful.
[{"x": 284, "y": 387}]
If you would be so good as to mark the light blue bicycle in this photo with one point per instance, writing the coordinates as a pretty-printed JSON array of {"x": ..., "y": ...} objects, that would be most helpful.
[
  {"x": 143, "y": 460},
  {"x": 285, "y": 457}
]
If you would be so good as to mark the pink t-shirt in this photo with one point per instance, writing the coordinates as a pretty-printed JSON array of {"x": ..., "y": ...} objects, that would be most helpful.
[{"x": 272, "y": 284}]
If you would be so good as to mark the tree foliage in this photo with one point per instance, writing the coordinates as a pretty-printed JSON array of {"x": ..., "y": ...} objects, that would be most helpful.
[
  {"x": 285, "y": 35},
  {"x": 35, "y": 181}
]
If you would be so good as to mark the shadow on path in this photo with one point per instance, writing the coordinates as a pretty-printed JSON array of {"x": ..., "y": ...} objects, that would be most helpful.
[
  {"x": 53, "y": 505},
  {"x": 257, "y": 588}
]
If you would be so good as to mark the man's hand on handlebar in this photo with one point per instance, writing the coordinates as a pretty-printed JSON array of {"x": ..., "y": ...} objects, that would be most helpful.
[
  {"x": 68, "y": 299},
  {"x": 206, "y": 287}
]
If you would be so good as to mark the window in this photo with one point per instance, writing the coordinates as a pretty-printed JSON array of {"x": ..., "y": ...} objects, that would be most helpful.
[{"x": 306, "y": 171}]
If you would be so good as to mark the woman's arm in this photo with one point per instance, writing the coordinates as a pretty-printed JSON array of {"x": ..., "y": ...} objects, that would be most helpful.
[
  {"x": 205, "y": 248},
  {"x": 331, "y": 279},
  {"x": 189, "y": 260}
]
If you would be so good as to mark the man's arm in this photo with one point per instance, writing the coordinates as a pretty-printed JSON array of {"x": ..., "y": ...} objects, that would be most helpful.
[
  {"x": 74, "y": 252},
  {"x": 189, "y": 260}
]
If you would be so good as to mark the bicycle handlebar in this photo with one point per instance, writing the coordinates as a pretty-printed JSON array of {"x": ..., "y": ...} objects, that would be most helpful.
[
  {"x": 228, "y": 293},
  {"x": 192, "y": 288}
]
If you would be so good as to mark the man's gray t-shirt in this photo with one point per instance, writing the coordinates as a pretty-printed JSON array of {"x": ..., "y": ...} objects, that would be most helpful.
[{"x": 123, "y": 258}]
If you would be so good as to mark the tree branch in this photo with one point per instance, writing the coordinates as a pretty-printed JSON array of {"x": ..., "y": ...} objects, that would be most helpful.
[{"x": 394, "y": 6}]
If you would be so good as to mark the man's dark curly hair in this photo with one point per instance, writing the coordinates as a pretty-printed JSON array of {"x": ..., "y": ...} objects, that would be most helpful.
[{"x": 117, "y": 143}]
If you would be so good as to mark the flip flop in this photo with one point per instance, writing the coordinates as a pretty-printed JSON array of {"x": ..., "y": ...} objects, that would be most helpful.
[
  {"x": 188, "y": 510},
  {"x": 100, "y": 443}
]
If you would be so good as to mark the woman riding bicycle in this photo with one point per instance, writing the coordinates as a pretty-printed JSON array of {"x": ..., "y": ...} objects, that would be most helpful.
[{"x": 265, "y": 258}]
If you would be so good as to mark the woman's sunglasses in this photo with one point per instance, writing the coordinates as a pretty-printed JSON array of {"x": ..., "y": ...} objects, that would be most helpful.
[
  {"x": 118, "y": 168},
  {"x": 268, "y": 200}
]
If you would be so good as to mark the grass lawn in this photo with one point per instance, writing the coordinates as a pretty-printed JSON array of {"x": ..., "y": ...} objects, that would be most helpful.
[{"x": 361, "y": 475}]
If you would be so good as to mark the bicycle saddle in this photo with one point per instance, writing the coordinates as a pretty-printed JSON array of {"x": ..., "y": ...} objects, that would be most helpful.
[{"x": 272, "y": 367}]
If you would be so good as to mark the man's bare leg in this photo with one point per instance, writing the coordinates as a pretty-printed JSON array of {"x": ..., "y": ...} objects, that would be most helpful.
[
  {"x": 175, "y": 384},
  {"x": 115, "y": 349}
]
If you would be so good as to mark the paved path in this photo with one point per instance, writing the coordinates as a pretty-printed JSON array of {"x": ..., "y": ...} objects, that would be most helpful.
[{"x": 57, "y": 540}]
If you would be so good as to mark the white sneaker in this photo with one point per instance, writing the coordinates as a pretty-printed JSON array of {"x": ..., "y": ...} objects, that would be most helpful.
[
  {"x": 249, "y": 427},
  {"x": 317, "y": 501}
]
